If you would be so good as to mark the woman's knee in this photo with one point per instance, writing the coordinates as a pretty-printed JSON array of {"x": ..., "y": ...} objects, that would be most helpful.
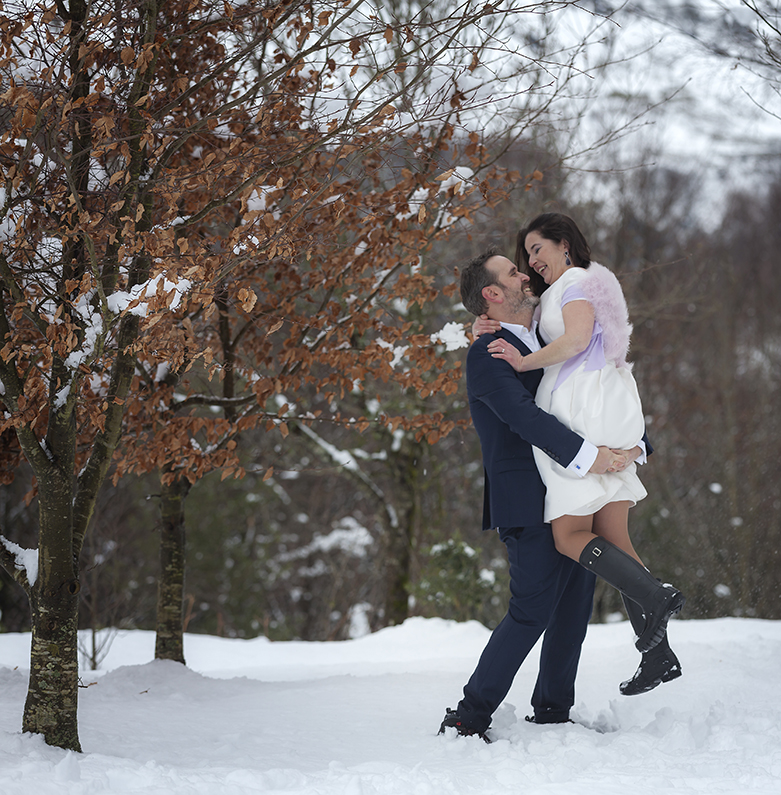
[
  {"x": 571, "y": 534},
  {"x": 566, "y": 542}
]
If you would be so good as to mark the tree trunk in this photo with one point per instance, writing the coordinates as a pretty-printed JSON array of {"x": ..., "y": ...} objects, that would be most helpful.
[
  {"x": 51, "y": 708},
  {"x": 397, "y": 577},
  {"x": 401, "y": 536},
  {"x": 169, "y": 642}
]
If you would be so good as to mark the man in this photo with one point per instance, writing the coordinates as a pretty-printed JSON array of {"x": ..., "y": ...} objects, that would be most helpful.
[{"x": 550, "y": 593}]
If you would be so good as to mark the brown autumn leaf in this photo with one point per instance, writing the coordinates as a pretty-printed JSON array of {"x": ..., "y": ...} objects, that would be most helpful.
[
  {"x": 248, "y": 299},
  {"x": 318, "y": 233}
]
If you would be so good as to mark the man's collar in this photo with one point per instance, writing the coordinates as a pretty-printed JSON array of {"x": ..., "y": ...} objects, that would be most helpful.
[{"x": 518, "y": 329}]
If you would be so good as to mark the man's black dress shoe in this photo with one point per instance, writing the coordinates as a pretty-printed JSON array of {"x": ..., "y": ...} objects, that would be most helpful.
[
  {"x": 542, "y": 720},
  {"x": 453, "y": 721}
]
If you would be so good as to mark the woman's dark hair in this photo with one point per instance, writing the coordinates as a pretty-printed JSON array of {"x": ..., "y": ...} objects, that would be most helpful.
[{"x": 555, "y": 227}]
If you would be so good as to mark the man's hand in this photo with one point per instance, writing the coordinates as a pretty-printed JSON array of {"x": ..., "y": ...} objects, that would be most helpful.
[
  {"x": 608, "y": 461},
  {"x": 484, "y": 325},
  {"x": 629, "y": 456}
]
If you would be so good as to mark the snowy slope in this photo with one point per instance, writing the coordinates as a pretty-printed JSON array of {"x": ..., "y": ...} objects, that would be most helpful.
[{"x": 360, "y": 717}]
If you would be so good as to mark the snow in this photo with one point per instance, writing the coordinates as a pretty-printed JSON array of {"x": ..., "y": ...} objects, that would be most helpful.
[
  {"x": 61, "y": 397},
  {"x": 452, "y": 336},
  {"x": 26, "y": 560},
  {"x": 131, "y": 301},
  {"x": 360, "y": 718},
  {"x": 342, "y": 457},
  {"x": 93, "y": 328},
  {"x": 398, "y": 351},
  {"x": 350, "y": 538}
]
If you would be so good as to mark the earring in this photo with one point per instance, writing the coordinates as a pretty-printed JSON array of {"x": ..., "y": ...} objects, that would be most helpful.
[{"x": 567, "y": 260}]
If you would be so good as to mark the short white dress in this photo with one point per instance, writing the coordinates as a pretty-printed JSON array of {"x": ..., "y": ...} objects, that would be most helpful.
[{"x": 593, "y": 393}]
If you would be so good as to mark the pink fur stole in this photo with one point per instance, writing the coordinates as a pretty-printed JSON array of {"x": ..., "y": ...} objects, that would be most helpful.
[{"x": 603, "y": 291}]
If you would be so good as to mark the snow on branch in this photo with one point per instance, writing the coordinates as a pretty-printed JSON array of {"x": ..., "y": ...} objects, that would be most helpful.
[
  {"x": 348, "y": 461},
  {"x": 452, "y": 336},
  {"x": 133, "y": 302},
  {"x": 349, "y": 537},
  {"x": 344, "y": 458},
  {"x": 25, "y": 561}
]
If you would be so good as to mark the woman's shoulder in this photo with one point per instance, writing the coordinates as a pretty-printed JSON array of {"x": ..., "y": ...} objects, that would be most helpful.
[
  {"x": 571, "y": 279},
  {"x": 574, "y": 275},
  {"x": 567, "y": 279},
  {"x": 593, "y": 270}
]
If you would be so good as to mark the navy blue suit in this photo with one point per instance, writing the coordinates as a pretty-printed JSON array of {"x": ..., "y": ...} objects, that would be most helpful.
[{"x": 550, "y": 593}]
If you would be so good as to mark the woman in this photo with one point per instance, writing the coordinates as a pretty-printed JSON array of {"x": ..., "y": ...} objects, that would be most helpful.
[{"x": 589, "y": 387}]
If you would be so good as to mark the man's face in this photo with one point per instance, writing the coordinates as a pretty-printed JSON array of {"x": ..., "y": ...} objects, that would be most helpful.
[{"x": 518, "y": 295}]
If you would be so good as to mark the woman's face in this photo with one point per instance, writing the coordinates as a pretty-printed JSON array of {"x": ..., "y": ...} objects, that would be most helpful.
[{"x": 546, "y": 257}]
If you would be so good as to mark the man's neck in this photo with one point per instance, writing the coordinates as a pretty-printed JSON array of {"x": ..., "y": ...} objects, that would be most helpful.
[{"x": 523, "y": 318}]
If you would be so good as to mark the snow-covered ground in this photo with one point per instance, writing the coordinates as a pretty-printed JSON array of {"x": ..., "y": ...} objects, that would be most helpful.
[{"x": 360, "y": 718}]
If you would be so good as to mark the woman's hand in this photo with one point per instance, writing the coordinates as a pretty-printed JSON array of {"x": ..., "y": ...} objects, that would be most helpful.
[
  {"x": 608, "y": 461},
  {"x": 624, "y": 458},
  {"x": 484, "y": 325},
  {"x": 501, "y": 349}
]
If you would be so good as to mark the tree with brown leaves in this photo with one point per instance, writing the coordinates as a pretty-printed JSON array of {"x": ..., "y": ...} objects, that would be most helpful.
[{"x": 211, "y": 205}]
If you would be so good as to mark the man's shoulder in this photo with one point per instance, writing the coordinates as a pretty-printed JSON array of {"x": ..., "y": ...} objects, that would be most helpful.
[
  {"x": 478, "y": 350},
  {"x": 483, "y": 341}
]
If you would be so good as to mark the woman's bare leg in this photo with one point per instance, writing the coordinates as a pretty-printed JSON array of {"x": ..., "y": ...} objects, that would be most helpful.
[
  {"x": 571, "y": 534},
  {"x": 612, "y": 524}
]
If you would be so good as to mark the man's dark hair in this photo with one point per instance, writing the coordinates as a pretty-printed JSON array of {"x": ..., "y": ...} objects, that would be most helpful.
[{"x": 474, "y": 277}]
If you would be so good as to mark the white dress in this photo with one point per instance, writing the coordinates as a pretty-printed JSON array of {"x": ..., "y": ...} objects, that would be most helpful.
[{"x": 593, "y": 395}]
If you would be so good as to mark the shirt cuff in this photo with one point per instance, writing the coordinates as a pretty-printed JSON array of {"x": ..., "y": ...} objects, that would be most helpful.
[
  {"x": 584, "y": 460},
  {"x": 643, "y": 457}
]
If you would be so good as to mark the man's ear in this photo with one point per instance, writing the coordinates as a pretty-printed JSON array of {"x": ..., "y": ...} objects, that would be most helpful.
[{"x": 493, "y": 294}]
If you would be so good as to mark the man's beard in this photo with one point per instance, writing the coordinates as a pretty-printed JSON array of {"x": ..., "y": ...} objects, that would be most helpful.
[{"x": 521, "y": 302}]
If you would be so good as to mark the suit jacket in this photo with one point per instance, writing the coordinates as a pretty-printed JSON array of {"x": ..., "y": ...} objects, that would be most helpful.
[{"x": 509, "y": 422}]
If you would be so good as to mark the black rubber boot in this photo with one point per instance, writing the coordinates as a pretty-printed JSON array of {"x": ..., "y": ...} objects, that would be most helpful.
[
  {"x": 658, "y": 602},
  {"x": 657, "y": 666}
]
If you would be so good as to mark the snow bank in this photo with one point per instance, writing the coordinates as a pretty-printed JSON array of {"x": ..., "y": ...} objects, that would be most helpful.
[{"x": 360, "y": 718}]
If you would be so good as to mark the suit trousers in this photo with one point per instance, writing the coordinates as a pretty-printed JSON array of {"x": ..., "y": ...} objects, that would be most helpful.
[{"x": 550, "y": 594}]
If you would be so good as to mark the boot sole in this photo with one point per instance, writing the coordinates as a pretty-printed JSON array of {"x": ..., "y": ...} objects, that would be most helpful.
[
  {"x": 667, "y": 676},
  {"x": 649, "y": 639}
]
